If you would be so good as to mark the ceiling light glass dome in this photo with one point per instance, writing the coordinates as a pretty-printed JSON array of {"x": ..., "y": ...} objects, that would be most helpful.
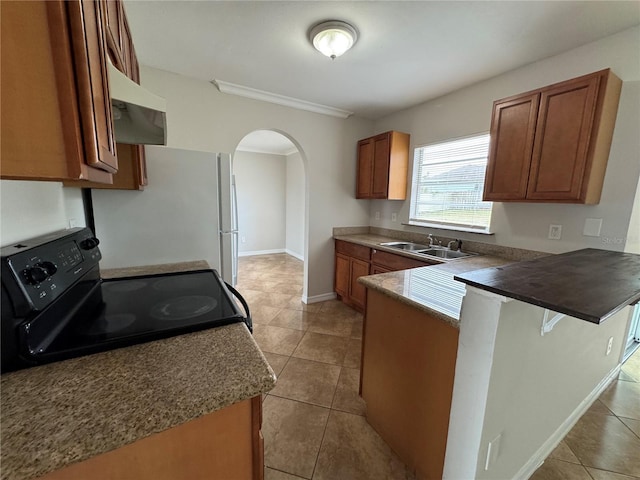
[{"x": 333, "y": 38}]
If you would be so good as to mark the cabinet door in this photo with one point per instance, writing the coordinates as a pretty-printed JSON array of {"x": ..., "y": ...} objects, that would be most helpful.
[
  {"x": 563, "y": 135},
  {"x": 142, "y": 166},
  {"x": 357, "y": 291},
  {"x": 513, "y": 127},
  {"x": 381, "y": 153},
  {"x": 365, "y": 168},
  {"x": 391, "y": 262},
  {"x": 114, "y": 34},
  {"x": 88, "y": 40},
  {"x": 375, "y": 269},
  {"x": 342, "y": 275}
]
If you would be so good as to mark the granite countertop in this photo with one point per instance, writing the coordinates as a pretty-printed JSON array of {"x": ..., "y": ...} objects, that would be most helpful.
[
  {"x": 588, "y": 284},
  {"x": 61, "y": 413},
  {"x": 431, "y": 289}
]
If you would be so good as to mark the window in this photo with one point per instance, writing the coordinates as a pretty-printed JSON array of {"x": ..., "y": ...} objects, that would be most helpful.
[{"x": 448, "y": 184}]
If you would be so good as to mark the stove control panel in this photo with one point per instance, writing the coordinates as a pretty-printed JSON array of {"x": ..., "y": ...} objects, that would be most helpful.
[{"x": 38, "y": 271}]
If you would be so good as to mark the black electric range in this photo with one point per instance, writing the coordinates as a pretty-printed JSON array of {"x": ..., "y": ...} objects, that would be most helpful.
[{"x": 55, "y": 305}]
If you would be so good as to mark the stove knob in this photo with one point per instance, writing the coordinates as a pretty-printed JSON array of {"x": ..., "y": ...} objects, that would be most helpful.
[
  {"x": 36, "y": 275},
  {"x": 48, "y": 267},
  {"x": 89, "y": 243}
]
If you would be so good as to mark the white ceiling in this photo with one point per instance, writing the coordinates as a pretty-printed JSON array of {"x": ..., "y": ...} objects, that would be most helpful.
[{"x": 407, "y": 52}]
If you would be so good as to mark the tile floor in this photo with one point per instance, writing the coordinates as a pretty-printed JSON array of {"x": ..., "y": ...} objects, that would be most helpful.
[
  {"x": 313, "y": 420},
  {"x": 605, "y": 443},
  {"x": 313, "y": 423}
]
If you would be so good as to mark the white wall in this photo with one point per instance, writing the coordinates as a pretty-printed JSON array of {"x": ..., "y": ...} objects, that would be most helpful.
[
  {"x": 554, "y": 374},
  {"x": 295, "y": 201},
  {"x": 633, "y": 238},
  {"x": 29, "y": 209},
  {"x": 530, "y": 389},
  {"x": 261, "y": 187},
  {"x": 525, "y": 225},
  {"x": 199, "y": 117}
]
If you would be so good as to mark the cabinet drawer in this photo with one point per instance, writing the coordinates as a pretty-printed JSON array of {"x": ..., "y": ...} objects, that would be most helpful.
[
  {"x": 394, "y": 262},
  {"x": 353, "y": 250}
]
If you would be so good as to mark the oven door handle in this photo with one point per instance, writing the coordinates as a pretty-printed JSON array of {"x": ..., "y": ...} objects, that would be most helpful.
[{"x": 245, "y": 305}]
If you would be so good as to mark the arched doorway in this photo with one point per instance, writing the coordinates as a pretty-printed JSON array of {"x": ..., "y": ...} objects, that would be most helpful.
[{"x": 269, "y": 167}]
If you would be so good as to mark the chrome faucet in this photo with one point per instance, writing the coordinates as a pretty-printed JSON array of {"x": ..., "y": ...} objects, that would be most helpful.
[
  {"x": 458, "y": 241},
  {"x": 433, "y": 240}
]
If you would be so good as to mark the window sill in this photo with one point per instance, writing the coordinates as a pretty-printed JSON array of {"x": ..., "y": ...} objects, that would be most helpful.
[{"x": 456, "y": 228}]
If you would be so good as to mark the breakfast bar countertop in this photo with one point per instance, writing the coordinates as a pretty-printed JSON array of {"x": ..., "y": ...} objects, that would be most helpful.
[
  {"x": 588, "y": 284},
  {"x": 65, "y": 412}
]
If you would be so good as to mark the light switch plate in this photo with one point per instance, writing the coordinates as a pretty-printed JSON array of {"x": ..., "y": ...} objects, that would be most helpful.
[
  {"x": 592, "y": 227},
  {"x": 394, "y": 217}
]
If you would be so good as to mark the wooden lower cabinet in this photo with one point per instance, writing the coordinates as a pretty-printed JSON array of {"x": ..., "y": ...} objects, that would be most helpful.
[
  {"x": 351, "y": 263},
  {"x": 389, "y": 262},
  {"x": 226, "y": 444},
  {"x": 408, "y": 367}
]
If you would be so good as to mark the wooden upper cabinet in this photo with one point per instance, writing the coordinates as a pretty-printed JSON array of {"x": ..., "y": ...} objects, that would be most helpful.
[
  {"x": 383, "y": 162},
  {"x": 114, "y": 33},
  {"x": 119, "y": 42},
  {"x": 365, "y": 168},
  {"x": 131, "y": 175},
  {"x": 90, "y": 62},
  {"x": 50, "y": 128},
  {"x": 565, "y": 123},
  {"x": 132, "y": 169},
  {"x": 552, "y": 144},
  {"x": 513, "y": 128}
]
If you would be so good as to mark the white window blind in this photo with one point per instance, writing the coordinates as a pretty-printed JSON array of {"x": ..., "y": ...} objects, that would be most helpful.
[{"x": 449, "y": 181}]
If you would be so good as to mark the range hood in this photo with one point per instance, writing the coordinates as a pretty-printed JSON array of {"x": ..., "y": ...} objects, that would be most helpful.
[{"x": 139, "y": 116}]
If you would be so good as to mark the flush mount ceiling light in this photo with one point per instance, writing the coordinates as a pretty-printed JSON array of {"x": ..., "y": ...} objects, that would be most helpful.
[{"x": 333, "y": 38}]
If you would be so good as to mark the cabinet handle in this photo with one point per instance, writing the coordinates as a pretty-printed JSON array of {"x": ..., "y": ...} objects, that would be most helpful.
[{"x": 374, "y": 250}]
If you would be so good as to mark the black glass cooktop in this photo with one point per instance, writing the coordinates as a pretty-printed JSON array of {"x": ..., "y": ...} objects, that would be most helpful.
[{"x": 138, "y": 309}]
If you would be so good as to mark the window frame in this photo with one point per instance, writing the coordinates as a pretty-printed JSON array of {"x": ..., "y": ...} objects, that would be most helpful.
[{"x": 415, "y": 188}]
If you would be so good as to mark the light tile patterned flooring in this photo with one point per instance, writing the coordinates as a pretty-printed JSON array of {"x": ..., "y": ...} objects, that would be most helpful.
[
  {"x": 605, "y": 443},
  {"x": 313, "y": 420},
  {"x": 313, "y": 423}
]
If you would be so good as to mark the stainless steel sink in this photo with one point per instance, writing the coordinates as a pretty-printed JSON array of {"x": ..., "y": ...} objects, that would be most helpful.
[
  {"x": 407, "y": 246},
  {"x": 433, "y": 251},
  {"x": 446, "y": 254}
]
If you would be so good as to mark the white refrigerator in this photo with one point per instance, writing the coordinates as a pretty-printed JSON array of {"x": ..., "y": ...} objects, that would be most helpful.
[{"x": 187, "y": 212}]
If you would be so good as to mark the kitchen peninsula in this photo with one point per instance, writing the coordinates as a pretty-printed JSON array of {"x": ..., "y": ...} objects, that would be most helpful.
[
  {"x": 127, "y": 408},
  {"x": 495, "y": 372}
]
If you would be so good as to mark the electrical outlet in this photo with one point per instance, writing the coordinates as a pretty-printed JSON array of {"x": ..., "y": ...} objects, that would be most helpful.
[
  {"x": 394, "y": 217},
  {"x": 555, "y": 232},
  {"x": 73, "y": 223},
  {"x": 609, "y": 345},
  {"x": 493, "y": 450},
  {"x": 243, "y": 239},
  {"x": 377, "y": 215}
]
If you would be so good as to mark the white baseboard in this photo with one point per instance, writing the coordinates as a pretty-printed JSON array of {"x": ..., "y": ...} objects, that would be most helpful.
[
  {"x": 319, "y": 298},
  {"x": 294, "y": 254},
  {"x": 552, "y": 442},
  {"x": 261, "y": 252}
]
